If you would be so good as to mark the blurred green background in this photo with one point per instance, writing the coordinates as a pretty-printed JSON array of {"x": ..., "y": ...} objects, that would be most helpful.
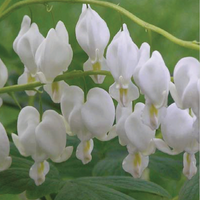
[{"x": 178, "y": 17}]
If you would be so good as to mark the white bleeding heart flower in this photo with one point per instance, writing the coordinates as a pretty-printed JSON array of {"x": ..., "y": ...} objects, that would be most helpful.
[
  {"x": 26, "y": 44},
  {"x": 141, "y": 143},
  {"x": 122, "y": 58},
  {"x": 93, "y": 35},
  {"x": 54, "y": 54},
  {"x": 5, "y": 159},
  {"x": 143, "y": 57},
  {"x": 56, "y": 90},
  {"x": 3, "y": 77},
  {"x": 41, "y": 140},
  {"x": 178, "y": 132},
  {"x": 94, "y": 118},
  {"x": 186, "y": 88},
  {"x": 154, "y": 80}
]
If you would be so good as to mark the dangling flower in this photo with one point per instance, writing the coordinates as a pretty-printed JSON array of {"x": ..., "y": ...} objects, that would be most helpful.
[
  {"x": 94, "y": 118},
  {"x": 26, "y": 44},
  {"x": 178, "y": 133},
  {"x": 92, "y": 34},
  {"x": 41, "y": 140},
  {"x": 141, "y": 143},
  {"x": 5, "y": 159},
  {"x": 54, "y": 54},
  {"x": 186, "y": 88},
  {"x": 122, "y": 58},
  {"x": 3, "y": 77},
  {"x": 154, "y": 79}
]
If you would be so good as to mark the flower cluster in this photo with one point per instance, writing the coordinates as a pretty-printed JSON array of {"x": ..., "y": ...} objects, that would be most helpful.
[{"x": 93, "y": 116}]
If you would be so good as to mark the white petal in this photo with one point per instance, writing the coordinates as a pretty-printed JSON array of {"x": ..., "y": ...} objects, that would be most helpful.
[
  {"x": 98, "y": 66},
  {"x": 38, "y": 172},
  {"x": 112, "y": 134},
  {"x": 135, "y": 164},
  {"x": 5, "y": 160},
  {"x": 53, "y": 61},
  {"x": 84, "y": 150},
  {"x": 122, "y": 114},
  {"x": 189, "y": 163},
  {"x": 51, "y": 134},
  {"x": 122, "y": 55},
  {"x": 77, "y": 125},
  {"x": 152, "y": 116},
  {"x": 144, "y": 55},
  {"x": 27, "y": 46},
  {"x": 174, "y": 94},
  {"x": 66, "y": 154},
  {"x": 28, "y": 119},
  {"x": 138, "y": 133},
  {"x": 98, "y": 112},
  {"x": 124, "y": 96},
  {"x": 25, "y": 78},
  {"x": 73, "y": 96},
  {"x": 177, "y": 128},
  {"x": 154, "y": 79},
  {"x": 56, "y": 90},
  {"x": 3, "y": 74},
  {"x": 25, "y": 25},
  {"x": 92, "y": 32}
]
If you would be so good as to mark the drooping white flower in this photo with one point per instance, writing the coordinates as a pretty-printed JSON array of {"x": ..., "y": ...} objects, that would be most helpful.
[
  {"x": 178, "y": 132},
  {"x": 3, "y": 77},
  {"x": 154, "y": 79},
  {"x": 5, "y": 159},
  {"x": 94, "y": 118},
  {"x": 41, "y": 140},
  {"x": 92, "y": 34},
  {"x": 141, "y": 143},
  {"x": 186, "y": 88},
  {"x": 26, "y": 44},
  {"x": 54, "y": 54},
  {"x": 122, "y": 58}
]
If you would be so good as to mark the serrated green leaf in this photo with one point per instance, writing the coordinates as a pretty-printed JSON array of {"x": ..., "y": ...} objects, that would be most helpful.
[
  {"x": 190, "y": 190},
  {"x": 127, "y": 184},
  {"x": 89, "y": 191}
]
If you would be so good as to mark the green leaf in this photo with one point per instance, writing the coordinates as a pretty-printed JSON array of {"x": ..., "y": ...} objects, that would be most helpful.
[
  {"x": 167, "y": 167},
  {"x": 190, "y": 190},
  {"x": 9, "y": 197},
  {"x": 16, "y": 179},
  {"x": 127, "y": 184},
  {"x": 89, "y": 191}
]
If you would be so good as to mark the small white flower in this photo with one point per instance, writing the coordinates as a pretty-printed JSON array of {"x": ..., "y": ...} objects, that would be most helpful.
[
  {"x": 92, "y": 34},
  {"x": 122, "y": 58},
  {"x": 54, "y": 54},
  {"x": 178, "y": 133},
  {"x": 5, "y": 159},
  {"x": 41, "y": 140},
  {"x": 154, "y": 79},
  {"x": 94, "y": 118},
  {"x": 26, "y": 44}
]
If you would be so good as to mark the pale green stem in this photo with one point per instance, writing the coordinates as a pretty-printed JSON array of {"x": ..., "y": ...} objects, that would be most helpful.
[
  {"x": 65, "y": 76},
  {"x": 187, "y": 44},
  {"x": 15, "y": 99},
  {"x": 4, "y": 5},
  {"x": 175, "y": 198}
]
